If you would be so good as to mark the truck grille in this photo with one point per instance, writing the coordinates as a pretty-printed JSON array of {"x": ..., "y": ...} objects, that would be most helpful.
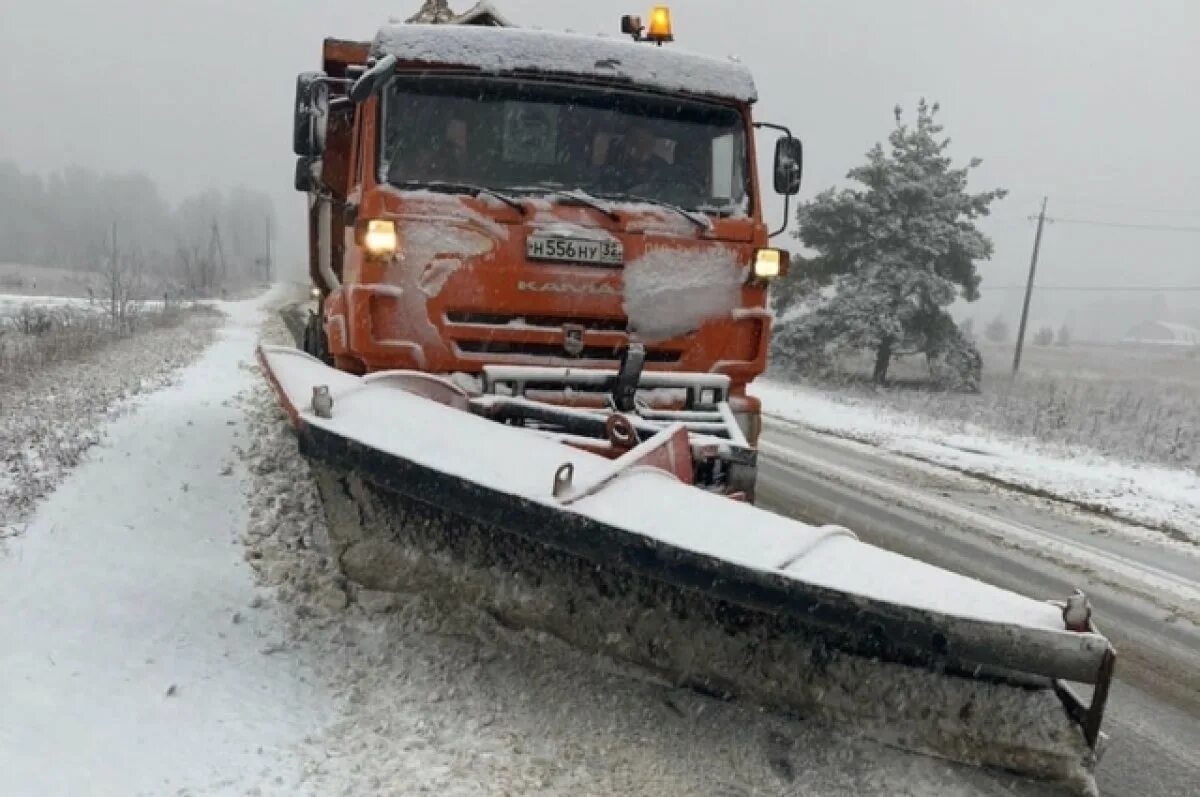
[
  {"x": 540, "y": 321},
  {"x": 555, "y": 351}
]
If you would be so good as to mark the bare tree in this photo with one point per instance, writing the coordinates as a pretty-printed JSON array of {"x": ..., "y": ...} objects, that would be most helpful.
[{"x": 124, "y": 274}]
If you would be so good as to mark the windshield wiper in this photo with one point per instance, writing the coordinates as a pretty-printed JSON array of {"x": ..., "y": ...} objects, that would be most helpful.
[
  {"x": 577, "y": 196},
  {"x": 465, "y": 188},
  {"x": 699, "y": 220}
]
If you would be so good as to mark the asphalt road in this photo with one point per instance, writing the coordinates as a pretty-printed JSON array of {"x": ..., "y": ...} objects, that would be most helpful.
[{"x": 1146, "y": 590}]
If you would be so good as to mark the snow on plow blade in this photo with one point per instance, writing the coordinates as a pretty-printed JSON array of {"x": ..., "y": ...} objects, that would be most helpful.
[{"x": 624, "y": 559}]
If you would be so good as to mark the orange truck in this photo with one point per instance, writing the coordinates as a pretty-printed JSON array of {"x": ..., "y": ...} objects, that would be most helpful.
[{"x": 569, "y": 227}]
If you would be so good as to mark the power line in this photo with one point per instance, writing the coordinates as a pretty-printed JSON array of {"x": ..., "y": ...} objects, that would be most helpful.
[
  {"x": 1129, "y": 208},
  {"x": 1099, "y": 288},
  {"x": 1125, "y": 225}
]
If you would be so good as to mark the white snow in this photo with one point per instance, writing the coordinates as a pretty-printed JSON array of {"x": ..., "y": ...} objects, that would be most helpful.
[
  {"x": 52, "y": 413},
  {"x": 1155, "y": 496},
  {"x": 564, "y": 229},
  {"x": 12, "y": 304},
  {"x": 511, "y": 50},
  {"x": 136, "y": 657},
  {"x": 655, "y": 220},
  {"x": 673, "y": 291},
  {"x": 429, "y": 255},
  {"x": 459, "y": 443},
  {"x": 130, "y": 661},
  {"x": 438, "y": 207},
  {"x": 434, "y": 277},
  {"x": 421, "y": 242},
  {"x": 715, "y": 525}
]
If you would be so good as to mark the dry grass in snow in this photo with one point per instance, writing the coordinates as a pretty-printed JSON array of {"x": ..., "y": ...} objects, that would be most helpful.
[
  {"x": 1137, "y": 406},
  {"x": 59, "y": 384}
]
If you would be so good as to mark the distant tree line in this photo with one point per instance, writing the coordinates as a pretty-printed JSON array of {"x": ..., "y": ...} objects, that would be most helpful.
[{"x": 210, "y": 241}]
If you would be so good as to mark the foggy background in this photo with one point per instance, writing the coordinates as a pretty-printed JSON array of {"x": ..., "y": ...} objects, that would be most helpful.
[{"x": 1090, "y": 102}]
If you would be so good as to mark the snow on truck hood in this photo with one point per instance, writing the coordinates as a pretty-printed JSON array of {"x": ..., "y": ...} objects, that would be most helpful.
[
  {"x": 421, "y": 204},
  {"x": 670, "y": 292},
  {"x": 508, "y": 50}
]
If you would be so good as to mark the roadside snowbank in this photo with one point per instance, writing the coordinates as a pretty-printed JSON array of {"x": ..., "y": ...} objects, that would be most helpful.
[
  {"x": 135, "y": 654},
  {"x": 1160, "y": 498},
  {"x": 49, "y": 419}
]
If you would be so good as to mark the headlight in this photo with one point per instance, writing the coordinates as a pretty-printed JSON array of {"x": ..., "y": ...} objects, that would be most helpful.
[
  {"x": 379, "y": 238},
  {"x": 770, "y": 263}
]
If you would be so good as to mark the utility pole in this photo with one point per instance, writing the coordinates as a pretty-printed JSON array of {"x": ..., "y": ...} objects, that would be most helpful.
[
  {"x": 1037, "y": 244},
  {"x": 113, "y": 278},
  {"x": 217, "y": 267}
]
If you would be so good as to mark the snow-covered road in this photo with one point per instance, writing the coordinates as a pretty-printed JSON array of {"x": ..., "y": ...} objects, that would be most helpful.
[
  {"x": 141, "y": 654},
  {"x": 1146, "y": 587},
  {"x": 1164, "y": 499},
  {"x": 130, "y": 658}
]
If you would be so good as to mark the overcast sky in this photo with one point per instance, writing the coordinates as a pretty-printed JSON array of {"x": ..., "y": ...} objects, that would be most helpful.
[{"x": 1093, "y": 102}]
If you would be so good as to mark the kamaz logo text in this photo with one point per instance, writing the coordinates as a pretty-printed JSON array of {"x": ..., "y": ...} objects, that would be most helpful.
[{"x": 583, "y": 288}]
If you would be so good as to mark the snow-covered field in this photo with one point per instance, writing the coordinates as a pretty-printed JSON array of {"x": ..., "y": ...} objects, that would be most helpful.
[
  {"x": 1162, "y": 498},
  {"x": 20, "y": 278},
  {"x": 171, "y": 626},
  {"x": 1130, "y": 404},
  {"x": 13, "y": 304}
]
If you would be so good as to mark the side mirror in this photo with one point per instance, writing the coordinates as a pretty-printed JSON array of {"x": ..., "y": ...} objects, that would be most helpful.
[
  {"x": 310, "y": 115},
  {"x": 373, "y": 78},
  {"x": 789, "y": 165},
  {"x": 307, "y": 179}
]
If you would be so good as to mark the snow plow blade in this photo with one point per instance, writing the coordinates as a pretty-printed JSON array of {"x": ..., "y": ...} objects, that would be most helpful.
[{"x": 621, "y": 558}]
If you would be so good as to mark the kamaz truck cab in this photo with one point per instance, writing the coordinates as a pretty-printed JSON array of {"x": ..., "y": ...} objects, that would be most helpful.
[{"x": 562, "y": 224}]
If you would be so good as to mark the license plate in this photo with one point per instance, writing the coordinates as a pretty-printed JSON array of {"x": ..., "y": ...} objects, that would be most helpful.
[{"x": 574, "y": 250}]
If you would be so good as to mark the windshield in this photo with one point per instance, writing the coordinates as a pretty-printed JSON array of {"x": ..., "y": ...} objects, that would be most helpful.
[{"x": 525, "y": 135}]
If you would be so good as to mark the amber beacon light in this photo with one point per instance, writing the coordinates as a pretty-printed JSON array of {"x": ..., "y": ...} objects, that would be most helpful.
[
  {"x": 659, "y": 30},
  {"x": 660, "y": 25}
]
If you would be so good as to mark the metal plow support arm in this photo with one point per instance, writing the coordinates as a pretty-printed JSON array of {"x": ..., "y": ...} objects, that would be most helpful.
[{"x": 794, "y": 616}]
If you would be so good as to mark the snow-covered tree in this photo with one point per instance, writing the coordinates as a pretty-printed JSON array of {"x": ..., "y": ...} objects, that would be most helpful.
[
  {"x": 1064, "y": 336},
  {"x": 900, "y": 249},
  {"x": 1044, "y": 336}
]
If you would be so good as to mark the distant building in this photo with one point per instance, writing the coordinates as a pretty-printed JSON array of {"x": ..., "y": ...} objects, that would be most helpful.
[{"x": 1162, "y": 333}]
